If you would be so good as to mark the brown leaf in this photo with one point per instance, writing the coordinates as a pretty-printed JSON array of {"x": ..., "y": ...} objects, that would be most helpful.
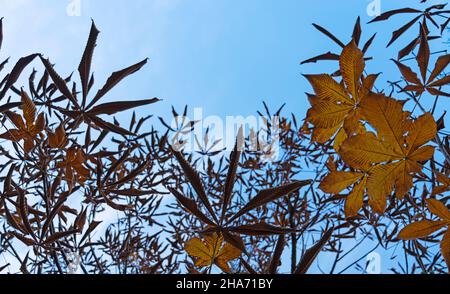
[
  {"x": 234, "y": 161},
  {"x": 15, "y": 73},
  {"x": 195, "y": 181},
  {"x": 423, "y": 56},
  {"x": 269, "y": 195},
  {"x": 114, "y": 79},
  {"x": 191, "y": 206},
  {"x": 59, "y": 235},
  {"x": 114, "y": 107},
  {"x": 84, "y": 68},
  {"x": 311, "y": 253},
  {"x": 275, "y": 261},
  {"x": 60, "y": 83},
  {"x": 259, "y": 229}
]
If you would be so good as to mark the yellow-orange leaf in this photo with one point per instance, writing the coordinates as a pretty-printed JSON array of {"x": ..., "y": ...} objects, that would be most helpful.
[
  {"x": 328, "y": 114},
  {"x": 422, "y": 130},
  {"x": 352, "y": 66},
  {"x": 445, "y": 184},
  {"x": 380, "y": 184},
  {"x": 422, "y": 154},
  {"x": 336, "y": 105},
  {"x": 354, "y": 200},
  {"x": 337, "y": 181},
  {"x": 362, "y": 150},
  {"x": 421, "y": 229},
  {"x": 438, "y": 208},
  {"x": 212, "y": 251},
  {"x": 322, "y": 135},
  {"x": 386, "y": 115},
  {"x": 339, "y": 139},
  {"x": 327, "y": 89},
  {"x": 445, "y": 248}
]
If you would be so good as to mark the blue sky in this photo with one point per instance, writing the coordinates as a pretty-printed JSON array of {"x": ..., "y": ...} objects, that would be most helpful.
[{"x": 226, "y": 56}]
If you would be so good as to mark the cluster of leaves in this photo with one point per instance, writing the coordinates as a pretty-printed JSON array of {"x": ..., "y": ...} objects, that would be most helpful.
[
  {"x": 381, "y": 149},
  {"x": 77, "y": 182}
]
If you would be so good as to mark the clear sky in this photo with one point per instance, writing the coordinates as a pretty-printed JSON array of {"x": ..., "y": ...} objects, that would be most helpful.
[{"x": 225, "y": 56}]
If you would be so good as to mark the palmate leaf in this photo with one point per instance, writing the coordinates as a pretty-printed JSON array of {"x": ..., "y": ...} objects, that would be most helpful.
[
  {"x": 426, "y": 15},
  {"x": 390, "y": 157},
  {"x": 386, "y": 115},
  {"x": 433, "y": 83},
  {"x": 212, "y": 250},
  {"x": 263, "y": 197},
  {"x": 356, "y": 36},
  {"x": 337, "y": 105}
]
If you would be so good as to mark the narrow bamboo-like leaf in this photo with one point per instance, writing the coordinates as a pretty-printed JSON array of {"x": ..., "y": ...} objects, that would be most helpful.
[
  {"x": 259, "y": 229},
  {"x": 441, "y": 63},
  {"x": 234, "y": 160},
  {"x": 423, "y": 56},
  {"x": 386, "y": 15},
  {"x": 15, "y": 73},
  {"x": 114, "y": 107},
  {"x": 27, "y": 241},
  {"x": 357, "y": 31},
  {"x": 269, "y": 195},
  {"x": 398, "y": 33},
  {"x": 234, "y": 240},
  {"x": 109, "y": 126},
  {"x": 276, "y": 256},
  {"x": 59, "y": 235},
  {"x": 114, "y": 79},
  {"x": 248, "y": 267},
  {"x": 60, "y": 83},
  {"x": 328, "y": 34},
  {"x": 311, "y": 253},
  {"x": 84, "y": 69},
  {"x": 90, "y": 229},
  {"x": 23, "y": 210},
  {"x": 195, "y": 181},
  {"x": 191, "y": 206},
  {"x": 56, "y": 208},
  {"x": 325, "y": 56},
  {"x": 3, "y": 267},
  {"x": 11, "y": 221}
]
